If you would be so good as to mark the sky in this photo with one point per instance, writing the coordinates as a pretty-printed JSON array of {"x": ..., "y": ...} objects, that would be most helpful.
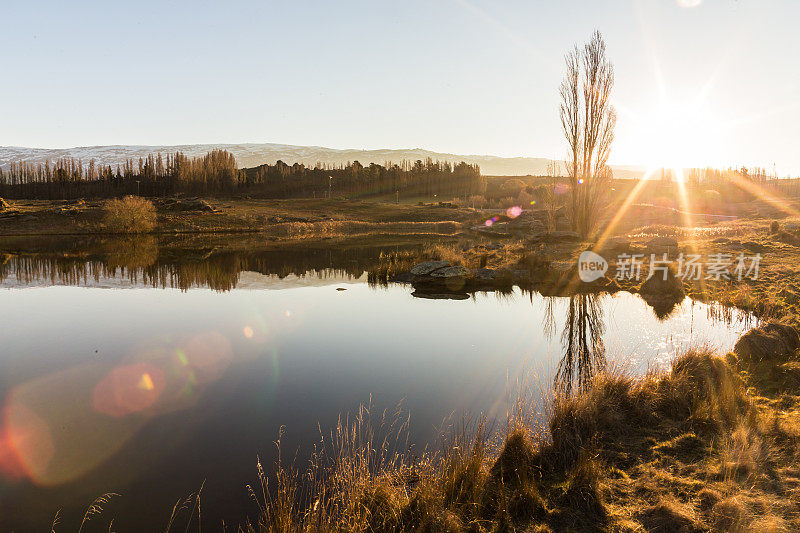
[{"x": 698, "y": 82}]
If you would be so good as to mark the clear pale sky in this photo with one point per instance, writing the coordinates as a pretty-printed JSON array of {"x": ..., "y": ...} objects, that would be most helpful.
[{"x": 717, "y": 83}]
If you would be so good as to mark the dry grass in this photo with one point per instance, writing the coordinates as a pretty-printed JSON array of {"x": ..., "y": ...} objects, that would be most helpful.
[{"x": 130, "y": 214}]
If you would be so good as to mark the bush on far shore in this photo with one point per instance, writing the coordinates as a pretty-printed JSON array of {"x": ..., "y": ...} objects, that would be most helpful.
[{"x": 131, "y": 214}]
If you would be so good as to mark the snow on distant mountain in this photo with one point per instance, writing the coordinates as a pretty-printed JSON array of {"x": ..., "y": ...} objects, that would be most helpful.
[{"x": 251, "y": 154}]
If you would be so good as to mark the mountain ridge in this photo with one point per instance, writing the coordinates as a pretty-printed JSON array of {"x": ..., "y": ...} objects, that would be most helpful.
[{"x": 254, "y": 154}]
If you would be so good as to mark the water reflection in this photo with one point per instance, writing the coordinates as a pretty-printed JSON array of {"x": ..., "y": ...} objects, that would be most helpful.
[
  {"x": 141, "y": 261},
  {"x": 582, "y": 340},
  {"x": 149, "y": 392}
]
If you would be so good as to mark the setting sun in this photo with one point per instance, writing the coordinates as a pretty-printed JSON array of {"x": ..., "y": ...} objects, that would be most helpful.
[{"x": 676, "y": 135}]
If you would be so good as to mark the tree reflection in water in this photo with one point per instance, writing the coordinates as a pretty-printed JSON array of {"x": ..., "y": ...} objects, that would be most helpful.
[{"x": 584, "y": 351}]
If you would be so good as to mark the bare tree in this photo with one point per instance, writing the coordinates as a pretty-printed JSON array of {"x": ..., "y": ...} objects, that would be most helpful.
[
  {"x": 550, "y": 194},
  {"x": 588, "y": 120}
]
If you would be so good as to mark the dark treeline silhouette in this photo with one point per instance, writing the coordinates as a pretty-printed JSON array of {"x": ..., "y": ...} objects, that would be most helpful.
[
  {"x": 216, "y": 173},
  {"x": 420, "y": 178}
]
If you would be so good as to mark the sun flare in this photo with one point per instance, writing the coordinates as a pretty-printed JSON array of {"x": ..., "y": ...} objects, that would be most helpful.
[{"x": 677, "y": 136}]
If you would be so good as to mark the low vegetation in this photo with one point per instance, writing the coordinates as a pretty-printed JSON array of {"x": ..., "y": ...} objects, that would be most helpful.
[{"x": 130, "y": 214}]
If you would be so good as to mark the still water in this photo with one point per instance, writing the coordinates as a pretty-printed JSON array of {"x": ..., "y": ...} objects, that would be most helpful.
[{"x": 112, "y": 383}]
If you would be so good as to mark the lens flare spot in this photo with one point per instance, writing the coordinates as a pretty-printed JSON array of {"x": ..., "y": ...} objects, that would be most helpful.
[
  {"x": 208, "y": 356},
  {"x": 288, "y": 314},
  {"x": 514, "y": 212},
  {"x": 128, "y": 389},
  {"x": 26, "y": 444},
  {"x": 580, "y": 181},
  {"x": 489, "y": 222},
  {"x": 248, "y": 332},
  {"x": 146, "y": 382}
]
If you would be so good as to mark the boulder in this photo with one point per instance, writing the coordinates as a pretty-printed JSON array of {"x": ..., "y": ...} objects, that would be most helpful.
[
  {"x": 456, "y": 271},
  {"x": 771, "y": 341},
  {"x": 188, "y": 204},
  {"x": 439, "y": 275},
  {"x": 753, "y": 246},
  {"x": 424, "y": 269},
  {"x": 658, "y": 286}
]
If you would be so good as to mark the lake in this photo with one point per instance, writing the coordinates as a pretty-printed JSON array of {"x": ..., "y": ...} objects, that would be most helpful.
[{"x": 151, "y": 378}]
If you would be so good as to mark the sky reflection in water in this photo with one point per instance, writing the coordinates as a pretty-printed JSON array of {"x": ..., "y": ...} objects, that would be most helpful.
[{"x": 148, "y": 392}]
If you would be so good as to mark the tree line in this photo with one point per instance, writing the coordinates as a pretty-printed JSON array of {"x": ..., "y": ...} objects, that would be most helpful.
[
  {"x": 216, "y": 173},
  {"x": 420, "y": 178}
]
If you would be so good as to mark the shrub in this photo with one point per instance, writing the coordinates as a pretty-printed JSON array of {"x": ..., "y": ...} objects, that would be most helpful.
[
  {"x": 477, "y": 201},
  {"x": 513, "y": 186},
  {"x": 131, "y": 214}
]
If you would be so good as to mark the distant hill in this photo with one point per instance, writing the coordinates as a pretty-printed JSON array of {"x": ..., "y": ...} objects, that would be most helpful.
[{"x": 251, "y": 154}]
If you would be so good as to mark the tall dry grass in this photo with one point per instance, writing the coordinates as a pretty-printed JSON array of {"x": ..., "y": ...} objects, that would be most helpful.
[{"x": 479, "y": 479}]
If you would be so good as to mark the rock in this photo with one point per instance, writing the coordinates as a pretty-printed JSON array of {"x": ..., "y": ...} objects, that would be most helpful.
[
  {"x": 658, "y": 286},
  {"x": 424, "y": 269},
  {"x": 788, "y": 238},
  {"x": 529, "y": 221},
  {"x": 754, "y": 246},
  {"x": 485, "y": 274},
  {"x": 188, "y": 204},
  {"x": 437, "y": 275},
  {"x": 456, "y": 271},
  {"x": 771, "y": 341}
]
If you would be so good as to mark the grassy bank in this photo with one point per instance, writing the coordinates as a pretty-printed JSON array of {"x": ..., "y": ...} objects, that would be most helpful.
[
  {"x": 711, "y": 445},
  {"x": 273, "y": 218}
]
